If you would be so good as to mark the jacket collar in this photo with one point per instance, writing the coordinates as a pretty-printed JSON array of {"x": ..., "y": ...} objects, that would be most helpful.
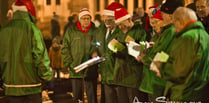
[
  {"x": 25, "y": 16},
  {"x": 193, "y": 25},
  {"x": 116, "y": 30},
  {"x": 166, "y": 27},
  {"x": 79, "y": 27}
]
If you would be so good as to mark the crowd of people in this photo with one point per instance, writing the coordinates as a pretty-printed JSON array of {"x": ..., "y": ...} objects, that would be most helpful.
[{"x": 172, "y": 67}]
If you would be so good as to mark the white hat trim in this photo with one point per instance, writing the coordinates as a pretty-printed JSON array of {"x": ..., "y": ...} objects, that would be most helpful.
[
  {"x": 84, "y": 13},
  {"x": 123, "y": 18},
  {"x": 108, "y": 12},
  {"x": 19, "y": 8}
]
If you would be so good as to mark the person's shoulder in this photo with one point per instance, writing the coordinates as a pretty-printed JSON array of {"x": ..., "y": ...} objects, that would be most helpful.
[
  {"x": 118, "y": 31},
  {"x": 191, "y": 34},
  {"x": 93, "y": 27},
  {"x": 71, "y": 30},
  {"x": 73, "y": 26}
]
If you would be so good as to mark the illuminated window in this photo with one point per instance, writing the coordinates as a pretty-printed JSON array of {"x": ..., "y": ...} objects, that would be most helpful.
[
  {"x": 57, "y": 2},
  {"x": 144, "y": 4},
  {"x": 98, "y": 5},
  {"x": 135, "y": 3},
  {"x": 105, "y": 3},
  {"x": 48, "y": 2},
  {"x": 126, "y": 3}
]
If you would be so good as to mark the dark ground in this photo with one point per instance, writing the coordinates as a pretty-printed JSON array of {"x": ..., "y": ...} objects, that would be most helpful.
[{"x": 61, "y": 92}]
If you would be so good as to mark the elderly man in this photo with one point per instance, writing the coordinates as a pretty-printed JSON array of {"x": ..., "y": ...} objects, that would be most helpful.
[
  {"x": 128, "y": 71},
  {"x": 77, "y": 48},
  {"x": 24, "y": 62},
  {"x": 108, "y": 31},
  {"x": 186, "y": 70},
  {"x": 202, "y": 8},
  {"x": 151, "y": 83}
]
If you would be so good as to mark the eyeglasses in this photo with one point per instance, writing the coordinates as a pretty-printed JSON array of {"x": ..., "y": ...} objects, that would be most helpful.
[
  {"x": 85, "y": 18},
  {"x": 108, "y": 20}
]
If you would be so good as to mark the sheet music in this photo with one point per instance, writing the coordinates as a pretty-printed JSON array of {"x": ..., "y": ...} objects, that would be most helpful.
[{"x": 88, "y": 63}]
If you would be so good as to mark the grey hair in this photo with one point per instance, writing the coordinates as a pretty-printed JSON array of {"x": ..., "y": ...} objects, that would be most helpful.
[{"x": 184, "y": 14}]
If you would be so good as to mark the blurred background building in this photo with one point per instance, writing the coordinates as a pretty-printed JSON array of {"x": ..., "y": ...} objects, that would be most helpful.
[{"x": 65, "y": 8}]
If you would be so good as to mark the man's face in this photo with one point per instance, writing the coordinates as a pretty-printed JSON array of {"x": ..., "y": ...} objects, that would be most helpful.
[
  {"x": 125, "y": 24},
  {"x": 141, "y": 12},
  {"x": 202, "y": 8},
  {"x": 85, "y": 21},
  {"x": 109, "y": 21},
  {"x": 156, "y": 24}
]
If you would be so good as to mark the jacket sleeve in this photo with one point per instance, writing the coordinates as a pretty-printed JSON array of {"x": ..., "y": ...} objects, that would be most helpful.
[
  {"x": 50, "y": 56},
  {"x": 140, "y": 36},
  {"x": 94, "y": 46},
  {"x": 183, "y": 55},
  {"x": 40, "y": 56},
  {"x": 66, "y": 50}
]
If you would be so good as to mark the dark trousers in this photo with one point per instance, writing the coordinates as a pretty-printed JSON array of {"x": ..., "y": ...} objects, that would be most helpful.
[
  {"x": 34, "y": 98},
  {"x": 51, "y": 84},
  {"x": 77, "y": 88},
  {"x": 91, "y": 90},
  {"x": 102, "y": 99},
  {"x": 122, "y": 94},
  {"x": 115, "y": 94},
  {"x": 57, "y": 70}
]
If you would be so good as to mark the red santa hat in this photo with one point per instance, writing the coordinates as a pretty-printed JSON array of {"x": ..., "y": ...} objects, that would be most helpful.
[
  {"x": 83, "y": 12},
  {"x": 121, "y": 14},
  {"x": 156, "y": 13},
  {"x": 24, "y": 5},
  {"x": 110, "y": 9}
]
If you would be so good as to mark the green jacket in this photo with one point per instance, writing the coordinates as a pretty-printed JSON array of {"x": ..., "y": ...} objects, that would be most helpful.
[
  {"x": 78, "y": 48},
  {"x": 187, "y": 70},
  {"x": 24, "y": 62},
  {"x": 128, "y": 71},
  {"x": 151, "y": 83},
  {"x": 106, "y": 67}
]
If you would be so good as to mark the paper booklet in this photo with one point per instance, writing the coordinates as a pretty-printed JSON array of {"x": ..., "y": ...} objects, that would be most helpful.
[
  {"x": 134, "y": 49},
  {"x": 161, "y": 57},
  {"x": 115, "y": 46},
  {"x": 88, "y": 63},
  {"x": 128, "y": 39}
]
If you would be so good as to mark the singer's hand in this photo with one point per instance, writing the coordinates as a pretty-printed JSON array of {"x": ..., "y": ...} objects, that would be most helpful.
[
  {"x": 158, "y": 64},
  {"x": 151, "y": 44},
  {"x": 140, "y": 57},
  {"x": 95, "y": 54}
]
